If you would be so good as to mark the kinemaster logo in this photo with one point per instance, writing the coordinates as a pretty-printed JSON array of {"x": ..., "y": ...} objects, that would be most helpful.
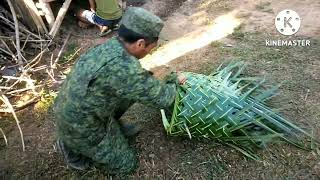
[{"x": 288, "y": 23}]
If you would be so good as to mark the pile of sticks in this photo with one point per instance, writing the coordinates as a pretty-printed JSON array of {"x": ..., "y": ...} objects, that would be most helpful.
[
  {"x": 21, "y": 59},
  {"x": 14, "y": 35}
]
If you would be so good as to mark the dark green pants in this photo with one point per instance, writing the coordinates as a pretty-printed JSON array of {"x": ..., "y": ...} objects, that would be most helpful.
[{"x": 112, "y": 154}]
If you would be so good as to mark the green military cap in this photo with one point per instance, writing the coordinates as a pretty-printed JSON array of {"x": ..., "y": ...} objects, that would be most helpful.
[{"x": 142, "y": 22}]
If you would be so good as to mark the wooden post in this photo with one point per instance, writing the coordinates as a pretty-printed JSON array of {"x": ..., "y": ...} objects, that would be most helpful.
[
  {"x": 60, "y": 17},
  {"x": 35, "y": 15},
  {"x": 45, "y": 6}
]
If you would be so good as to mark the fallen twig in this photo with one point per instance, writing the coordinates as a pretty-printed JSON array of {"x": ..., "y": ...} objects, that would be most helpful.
[
  {"x": 27, "y": 103},
  {"x": 21, "y": 106},
  {"x": 9, "y": 50},
  {"x": 6, "y": 37},
  {"x": 28, "y": 67},
  {"x": 74, "y": 54},
  {"x": 4, "y": 137},
  {"x": 39, "y": 68},
  {"x": 19, "y": 78},
  {"x": 16, "y": 26},
  {"x": 22, "y": 90},
  {"x": 61, "y": 51},
  {"x": 39, "y": 40},
  {"x": 51, "y": 75},
  {"x": 25, "y": 42},
  {"x": 36, "y": 59},
  {"x": 22, "y": 28},
  {"x": 4, "y": 87},
  {"x": 306, "y": 96},
  {"x": 59, "y": 18},
  {"x": 7, "y": 102},
  {"x": 21, "y": 50}
]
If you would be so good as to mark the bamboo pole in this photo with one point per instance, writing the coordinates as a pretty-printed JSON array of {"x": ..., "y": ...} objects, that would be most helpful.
[
  {"x": 35, "y": 15},
  {"x": 62, "y": 12},
  {"x": 45, "y": 6}
]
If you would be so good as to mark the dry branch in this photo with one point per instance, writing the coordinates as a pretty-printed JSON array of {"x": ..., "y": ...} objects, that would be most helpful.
[
  {"x": 16, "y": 26},
  {"x": 39, "y": 68},
  {"x": 45, "y": 6},
  {"x": 73, "y": 55},
  {"x": 21, "y": 27},
  {"x": 19, "y": 78},
  {"x": 37, "y": 19},
  {"x": 9, "y": 50},
  {"x": 14, "y": 44},
  {"x": 25, "y": 42},
  {"x": 60, "y": 17},
  {"x": 7, "y": 102},
  {"x": 61, "y": 50},
  {"x": 21, "y": 106},
  {"x": 4, "y": 137},
  {"x": 23, "y": 90},
  {"x": 4, "y": 87}
]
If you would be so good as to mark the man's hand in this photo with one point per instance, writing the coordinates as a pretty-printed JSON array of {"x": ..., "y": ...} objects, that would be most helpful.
[{"x": 181, "y": 78}]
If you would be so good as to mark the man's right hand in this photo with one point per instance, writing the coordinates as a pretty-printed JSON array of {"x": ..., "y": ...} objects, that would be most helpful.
[{"x": 181, "y": 78}]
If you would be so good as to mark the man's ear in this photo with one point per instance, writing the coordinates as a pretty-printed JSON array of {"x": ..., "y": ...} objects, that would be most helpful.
[{"x": 141, "y": 43}]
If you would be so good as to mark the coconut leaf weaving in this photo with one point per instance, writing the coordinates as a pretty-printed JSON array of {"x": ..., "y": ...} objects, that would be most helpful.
[{"x": 230, "y": 108}]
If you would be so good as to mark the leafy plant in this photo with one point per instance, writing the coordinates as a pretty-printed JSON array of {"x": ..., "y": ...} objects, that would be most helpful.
[
  {"x": 227, "y": 107},
  {"x": 71, "y": 54}
]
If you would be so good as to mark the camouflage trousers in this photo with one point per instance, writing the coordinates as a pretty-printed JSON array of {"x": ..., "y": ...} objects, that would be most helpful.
[{"x": 112, "y": 154}]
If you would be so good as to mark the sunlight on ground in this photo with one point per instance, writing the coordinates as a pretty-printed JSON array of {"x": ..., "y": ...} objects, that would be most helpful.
[{"x": 222, "y": 26}]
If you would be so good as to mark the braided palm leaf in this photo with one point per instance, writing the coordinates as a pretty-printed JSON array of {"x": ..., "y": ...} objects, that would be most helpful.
[{"x": 231, "y": 109}]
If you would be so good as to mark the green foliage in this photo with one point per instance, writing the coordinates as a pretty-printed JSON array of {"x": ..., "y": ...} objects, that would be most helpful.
[
  {"x": 237, "y": 33},
  {"x": 71, "y": 54},
  {"x": 216, "y": 44},
  {"x": 227, "y": 107},
  {"x": 47, "y": 99}
]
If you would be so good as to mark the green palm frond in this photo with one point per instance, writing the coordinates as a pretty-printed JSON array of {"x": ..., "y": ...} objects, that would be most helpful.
[{"x": 231, "y": 109}]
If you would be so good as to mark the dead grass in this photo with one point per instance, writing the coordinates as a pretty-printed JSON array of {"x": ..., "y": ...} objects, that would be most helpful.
[
  {"x": 166, "y": 158},
  {"x": 297, "y": 68}
]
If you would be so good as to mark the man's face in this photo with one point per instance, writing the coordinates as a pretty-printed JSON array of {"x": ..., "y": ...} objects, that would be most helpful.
[{"x": 142, "y": 49}]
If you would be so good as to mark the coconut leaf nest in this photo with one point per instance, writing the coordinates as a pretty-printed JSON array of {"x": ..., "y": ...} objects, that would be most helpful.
[{"x": 230, "y": 108}]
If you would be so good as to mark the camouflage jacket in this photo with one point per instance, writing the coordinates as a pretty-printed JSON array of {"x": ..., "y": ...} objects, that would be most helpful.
[{"x": 102, "y": 78}]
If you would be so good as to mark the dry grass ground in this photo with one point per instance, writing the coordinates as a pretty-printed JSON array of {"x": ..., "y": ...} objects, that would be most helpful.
[{"x": 163, "y": 157}]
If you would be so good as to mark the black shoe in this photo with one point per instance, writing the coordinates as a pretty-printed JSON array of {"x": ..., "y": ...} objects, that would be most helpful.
[{"x": 73, "y": 160}]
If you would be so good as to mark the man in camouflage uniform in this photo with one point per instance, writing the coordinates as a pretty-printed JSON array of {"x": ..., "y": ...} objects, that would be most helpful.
[{"x": 103, "y": 84}]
